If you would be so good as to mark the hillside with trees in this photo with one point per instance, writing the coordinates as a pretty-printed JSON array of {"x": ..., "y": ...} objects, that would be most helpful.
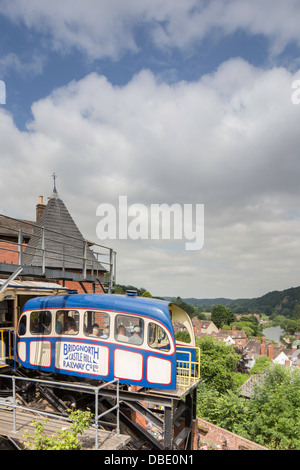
[{"x": 281, "y": 302}]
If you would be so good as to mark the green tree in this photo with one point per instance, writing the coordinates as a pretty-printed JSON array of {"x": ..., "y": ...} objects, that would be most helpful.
[
  {"x": 274, "y": 417},
  {"x": 65, "y": 439},
  {"x": 296, "y": 312},
  {"x": 183, "y": 336},
  {"x": 217, "y": 364},
  {"x": 292, "y": 326},
  {"x": 187, "y": 307},
  {"x": 249, "y": 328},
  {"x": 226, "y": 410},
  {"x": 278, "y": 320},
  {"x": 260, "y": 365},
  {"x": 146, "y": 294},
  {"x": 221, "y": 315},
  {"x": 200, "y": 315}
]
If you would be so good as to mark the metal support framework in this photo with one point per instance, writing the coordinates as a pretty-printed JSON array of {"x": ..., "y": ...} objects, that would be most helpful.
[
  {"x": 168, "y": 429},
  {"x": 94, "y": 390},
  {"x": 172, "y": 413},
  {"x": 20, "y": 247},
  {"x": 11, "y": 278},
  {"x": 177, "y": 411}
]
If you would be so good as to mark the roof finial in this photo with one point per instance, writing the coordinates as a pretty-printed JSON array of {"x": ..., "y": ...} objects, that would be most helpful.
[
  {"x": 54, "y": 193},
  {"x": 54, "y": 178}
]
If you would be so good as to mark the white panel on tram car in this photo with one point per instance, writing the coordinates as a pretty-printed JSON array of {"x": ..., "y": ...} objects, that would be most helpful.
[
  {"x": 159, "y": 371},
  {"x": 128, "y": 365},
  {"x": 40, "y": 353},
  {"x": 22, "y": 351},
  {"x": 84, "y": 358}
]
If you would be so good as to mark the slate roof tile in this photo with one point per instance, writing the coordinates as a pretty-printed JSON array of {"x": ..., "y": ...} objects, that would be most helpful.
[{"x": 63, "y": 240}]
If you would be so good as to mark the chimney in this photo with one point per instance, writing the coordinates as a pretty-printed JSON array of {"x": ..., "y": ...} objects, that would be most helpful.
[
  {"x": 263, "y": 348},
  {"x": 39, "y": 208},
  {"x": 197, "y": 328},
  {"x": 271, "y": 351}
]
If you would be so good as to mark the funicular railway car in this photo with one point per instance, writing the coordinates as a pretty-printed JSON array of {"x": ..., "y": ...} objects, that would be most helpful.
[{"x": 103, "y": 336}]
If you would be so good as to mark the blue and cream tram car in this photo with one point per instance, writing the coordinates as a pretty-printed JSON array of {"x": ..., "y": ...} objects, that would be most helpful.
[{"x": 103, "y": 336}]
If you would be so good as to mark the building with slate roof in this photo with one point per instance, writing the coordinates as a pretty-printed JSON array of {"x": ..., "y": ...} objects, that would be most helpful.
[
  {"x": 52, "y": 249},
  {"x": 63, "y": 244},
  {"x": 279, "y": 355}
]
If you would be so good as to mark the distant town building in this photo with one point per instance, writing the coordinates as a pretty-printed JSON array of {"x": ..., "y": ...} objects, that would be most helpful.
[
  {"x": 278, "y": 354},
  {"x": 233, "y": 336},
  {"x": 203, "y": 327}
]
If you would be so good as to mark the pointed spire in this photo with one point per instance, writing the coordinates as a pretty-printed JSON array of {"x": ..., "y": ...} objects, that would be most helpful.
[
  {"x": 63, "y": 244},
  {"x": 55, "y": 193},
  {"x": 54, "y": 176}
]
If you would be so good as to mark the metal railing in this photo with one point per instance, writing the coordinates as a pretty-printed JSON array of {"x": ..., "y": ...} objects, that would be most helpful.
[
  {"x": 188, "y": 367},
  {"x": 51, "y": 248},
  {"x": 13, "y": 404}
]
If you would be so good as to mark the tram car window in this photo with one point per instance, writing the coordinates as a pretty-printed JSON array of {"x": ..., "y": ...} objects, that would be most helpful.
[
  {"x": 67, "y": 322},
  {"x": 22, "y": 326},
  {"x": 158, "y": 337},
  {"x": 40, "y": 322},
  {"x": 96, "y": 324},
  {"x": 129, "y": 329}
]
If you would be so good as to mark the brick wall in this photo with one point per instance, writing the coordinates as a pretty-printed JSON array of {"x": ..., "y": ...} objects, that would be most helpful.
[
  {"x": 74, "y": 285},
  {"x": 214, "y": 435},
  {"x": 9, "y": 257}
]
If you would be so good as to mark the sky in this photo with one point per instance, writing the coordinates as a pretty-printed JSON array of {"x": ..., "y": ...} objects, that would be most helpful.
[{"x": 187, "y": 102}]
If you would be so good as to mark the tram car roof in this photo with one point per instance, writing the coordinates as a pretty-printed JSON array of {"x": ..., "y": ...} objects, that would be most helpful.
[{"x": 152, "y": 308}]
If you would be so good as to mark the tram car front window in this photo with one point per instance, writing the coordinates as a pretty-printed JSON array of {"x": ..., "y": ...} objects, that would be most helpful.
[
  {"x": 22, "y": 326},
  {"x": 158, "y": 337}
]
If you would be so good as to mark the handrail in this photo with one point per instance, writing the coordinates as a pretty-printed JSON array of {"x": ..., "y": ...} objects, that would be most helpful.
[
  {"x": 95, "y": 389},
  {"x": 188, "y": 371},
  {"x": 44, "y": 252}
]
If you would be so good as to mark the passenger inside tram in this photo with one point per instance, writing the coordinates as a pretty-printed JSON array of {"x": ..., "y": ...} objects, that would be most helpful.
[
  {"x": 70, "y": 326},
  {"x": 121, "y": 334},
  {"x": 136, "y": 337}
]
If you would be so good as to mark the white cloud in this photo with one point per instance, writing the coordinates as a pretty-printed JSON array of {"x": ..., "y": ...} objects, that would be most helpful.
[
  {"x": 108, "y": 29},
  {"x": 229, "y": 141},
  {"x": 25, "y": 67}
]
